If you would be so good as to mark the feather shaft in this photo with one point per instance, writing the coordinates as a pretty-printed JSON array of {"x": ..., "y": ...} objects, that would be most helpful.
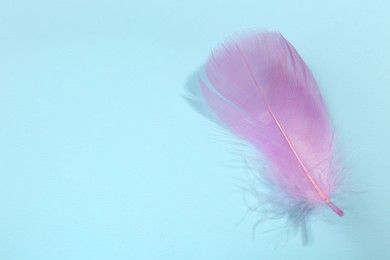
[{"x": 302, "y": 165}]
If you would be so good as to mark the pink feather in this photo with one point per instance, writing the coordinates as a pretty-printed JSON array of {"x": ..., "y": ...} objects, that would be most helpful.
[{"x": 264, "y": 93}]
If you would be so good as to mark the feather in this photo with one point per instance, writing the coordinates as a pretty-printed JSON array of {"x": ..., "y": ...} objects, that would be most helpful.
[{"x": 263, "y": 92}]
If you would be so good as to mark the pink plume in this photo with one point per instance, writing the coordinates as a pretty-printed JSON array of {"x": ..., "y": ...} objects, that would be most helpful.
[{"x": 264, "y": 93}]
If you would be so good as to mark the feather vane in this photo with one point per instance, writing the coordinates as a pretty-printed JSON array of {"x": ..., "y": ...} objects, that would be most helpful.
[{"x": 264, "y": 93}]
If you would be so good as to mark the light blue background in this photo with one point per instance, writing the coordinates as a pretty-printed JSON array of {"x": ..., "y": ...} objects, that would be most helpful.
[{"x": 101, "y": 157}]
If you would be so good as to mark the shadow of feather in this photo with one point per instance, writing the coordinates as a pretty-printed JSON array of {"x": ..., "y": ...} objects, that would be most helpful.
[
  {"x": 195, "y": 99},
  {"x": 194, "y": 96}
]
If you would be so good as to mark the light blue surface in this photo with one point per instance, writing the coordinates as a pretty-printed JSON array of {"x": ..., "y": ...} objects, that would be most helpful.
[{"x": 101, "y": 158}]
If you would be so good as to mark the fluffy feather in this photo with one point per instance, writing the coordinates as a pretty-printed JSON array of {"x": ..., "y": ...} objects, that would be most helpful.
[{"x": 263, "y": 92}]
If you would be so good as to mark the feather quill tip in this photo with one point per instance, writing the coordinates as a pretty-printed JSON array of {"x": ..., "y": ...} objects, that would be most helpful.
[{"x": 335, "y": 208}]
